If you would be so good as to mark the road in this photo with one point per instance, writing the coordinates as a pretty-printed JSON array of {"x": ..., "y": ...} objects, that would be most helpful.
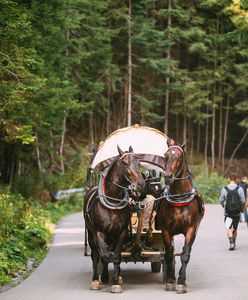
[{"x": 213, "y": 271}]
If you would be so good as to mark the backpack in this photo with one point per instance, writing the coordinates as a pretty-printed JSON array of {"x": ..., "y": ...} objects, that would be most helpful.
[{"x": 233, "y": 205}]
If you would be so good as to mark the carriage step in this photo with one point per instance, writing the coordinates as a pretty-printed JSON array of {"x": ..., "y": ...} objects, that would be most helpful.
[
  {"x": 147, "y": 253},
  {"x": 143, "y": 253}
]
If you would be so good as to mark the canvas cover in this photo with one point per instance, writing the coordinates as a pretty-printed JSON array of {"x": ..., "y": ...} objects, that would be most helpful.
[{"x": 149, "y": 145}]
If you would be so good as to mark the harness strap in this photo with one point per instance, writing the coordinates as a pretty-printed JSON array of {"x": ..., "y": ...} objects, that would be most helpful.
[
  {"x": 120, "y": 203},
  {"x": 179, "y": 199}
]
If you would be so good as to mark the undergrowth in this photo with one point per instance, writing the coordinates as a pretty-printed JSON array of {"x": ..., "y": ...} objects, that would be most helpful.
[
  {"x": 209, "y": 185},
  {"x": 25, "y": 229}
]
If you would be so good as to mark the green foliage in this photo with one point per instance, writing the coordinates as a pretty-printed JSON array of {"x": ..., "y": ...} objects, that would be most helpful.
[
  {"x": 18, "y": 83},
  {"x": 31, "y": 185},
  {"x": 25, "y": 229},
  {"x": 209, "y": 186}
]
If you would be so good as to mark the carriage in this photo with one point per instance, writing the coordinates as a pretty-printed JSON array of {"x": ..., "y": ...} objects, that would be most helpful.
[{"x": 149, "y": 145}]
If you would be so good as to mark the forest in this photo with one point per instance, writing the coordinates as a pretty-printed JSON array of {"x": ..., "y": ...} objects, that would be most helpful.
[{"x": 73, "y": 71}]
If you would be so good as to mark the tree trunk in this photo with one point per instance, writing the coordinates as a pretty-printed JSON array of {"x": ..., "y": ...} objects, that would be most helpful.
[
  {"x": 129, "y": 102},
  {"x": 38, "y": 153},
  {"x": 235, "y": 150},
  {"x": 220, "y": 130},
  {"x": 206, "y": 146},
  {"x": 213, "y": 131},
  {"x": 91, "y": 132},
  {"x": 177, "y": 129},
  {"x": 109, "y": 104},
  {"x": 191, "y": 134},
  {"x": 225, "y": 136},
  {"x": 167, "y": 81},
  {"x": 61, "y": 149},
  {"x": 198, "y": 138},
  {"x": 184, "y": 129}
]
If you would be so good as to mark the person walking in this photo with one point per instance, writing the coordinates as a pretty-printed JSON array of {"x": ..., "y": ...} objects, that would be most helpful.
[
  {"x": 243, "y": 183},
  {"x": 233, "y": 200}
]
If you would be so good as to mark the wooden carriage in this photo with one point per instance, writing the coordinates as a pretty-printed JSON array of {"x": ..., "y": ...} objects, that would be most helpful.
[{"x": 149, "y": 145}]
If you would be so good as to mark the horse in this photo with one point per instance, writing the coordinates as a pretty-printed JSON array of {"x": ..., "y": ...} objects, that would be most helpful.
[
  {"x": 153, "y": 183},
  {"x": 180, "y": 212},
  {"x": 107, "y": 215}
]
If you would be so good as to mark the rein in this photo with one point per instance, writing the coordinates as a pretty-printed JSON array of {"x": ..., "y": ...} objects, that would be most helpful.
[
  {"x": 182, "y": 199},
  {"x": 107, "y": 200},
  {"x": 104, "y": 199}
]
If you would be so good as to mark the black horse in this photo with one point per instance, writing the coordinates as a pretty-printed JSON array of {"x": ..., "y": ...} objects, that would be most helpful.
[
  {"x": 153, "y": 183},
  {"x": 180, "y": 213},
  {"x": 107, "y": 215}
]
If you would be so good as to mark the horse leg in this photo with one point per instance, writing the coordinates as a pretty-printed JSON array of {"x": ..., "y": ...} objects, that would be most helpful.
[
  {"x": 105, "y": 272},
  {"x": 95, "y": 284},
  {"x": 170, "y": 283},
  {"x": 185, "y": 257},
  {"x": 117, "y": 279}
]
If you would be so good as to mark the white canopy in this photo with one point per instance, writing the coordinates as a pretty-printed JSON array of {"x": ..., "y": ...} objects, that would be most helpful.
[{"x": 150, "y": 143}]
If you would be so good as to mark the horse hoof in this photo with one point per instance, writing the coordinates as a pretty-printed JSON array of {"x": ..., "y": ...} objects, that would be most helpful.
[
  {"x": 181, "y": 289},
  {"x": 170, "y": 286},
  {"x": 116, "y": 288},
  {"x": 120, "y": 280},
  {"x": 95, "y": 285}
]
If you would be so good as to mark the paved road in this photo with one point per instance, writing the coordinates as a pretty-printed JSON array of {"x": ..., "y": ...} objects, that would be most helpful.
[{"x": 213, "y": 272}]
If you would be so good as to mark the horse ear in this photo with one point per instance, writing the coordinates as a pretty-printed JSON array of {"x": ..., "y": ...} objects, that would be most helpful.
[
  {"x": 120, "y": 151},
  {"x": 170, "y": 142},
  {"x": 183, "y": 146},
  {"x": 131, "y": 149}
]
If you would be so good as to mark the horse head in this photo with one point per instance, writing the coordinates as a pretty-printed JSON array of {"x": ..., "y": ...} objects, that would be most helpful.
[
  {"x": 174, "y": 162},
  {"x": 130, "y": 170},
  {"x": 153, "y": 183}
]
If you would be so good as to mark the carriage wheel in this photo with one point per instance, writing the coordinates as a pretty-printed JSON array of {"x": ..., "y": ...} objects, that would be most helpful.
[{"x": 156, "y": 266}]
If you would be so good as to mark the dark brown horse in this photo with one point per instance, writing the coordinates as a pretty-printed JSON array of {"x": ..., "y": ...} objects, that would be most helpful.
[
  {"x": 180, "y": 213},
  {"x": 107, "y": 215}
]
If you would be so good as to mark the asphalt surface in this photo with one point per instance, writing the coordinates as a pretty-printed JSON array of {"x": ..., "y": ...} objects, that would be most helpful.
[{"x": 213, "y": 271}]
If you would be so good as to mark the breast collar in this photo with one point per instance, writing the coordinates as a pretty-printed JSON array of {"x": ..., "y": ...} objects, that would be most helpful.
[
  {"x": 180, "y": 199},
  {"x": 111, "y": 202}
]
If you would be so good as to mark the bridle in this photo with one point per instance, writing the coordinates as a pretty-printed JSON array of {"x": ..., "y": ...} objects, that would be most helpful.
[
  {"x": 183, "y": 198},
  {"x": 175, "y": 177}
]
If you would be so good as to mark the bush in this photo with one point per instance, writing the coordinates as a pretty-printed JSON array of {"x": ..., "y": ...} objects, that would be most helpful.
[
  {"x": 25, "y": 232},
  {"x": 209, "y": 186},
  {"x": 34, "y": 183}
]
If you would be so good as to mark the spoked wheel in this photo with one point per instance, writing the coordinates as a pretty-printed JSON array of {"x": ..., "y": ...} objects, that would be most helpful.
[{"x": 156, "y": 266}]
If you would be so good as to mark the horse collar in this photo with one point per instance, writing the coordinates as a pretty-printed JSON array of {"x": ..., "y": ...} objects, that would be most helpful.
[
  {"x": 179, "y": 199},
  {"x": 106, "y": 200}
]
